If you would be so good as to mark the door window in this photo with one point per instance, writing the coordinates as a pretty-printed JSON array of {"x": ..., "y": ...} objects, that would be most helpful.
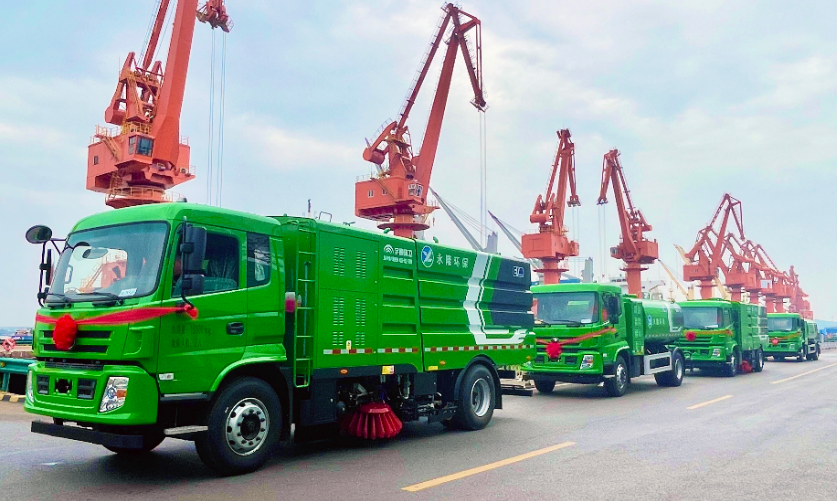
[
  {"x": 220, "y": 265},
  {"x": 258, "y": 260}
]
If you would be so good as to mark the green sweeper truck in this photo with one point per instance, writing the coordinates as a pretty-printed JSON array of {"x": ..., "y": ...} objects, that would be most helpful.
[
  {"x": 228, "y": 329},
  {"x": 592, "y": 333},
  {"x": 723, "y": 335},
  {"x": 792, "y": 336}
]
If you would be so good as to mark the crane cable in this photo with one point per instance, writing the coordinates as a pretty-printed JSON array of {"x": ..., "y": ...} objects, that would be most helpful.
[
  {"x": 483, "y": 178},
  {"x": 211, "y": 122},
  {"x": 215, "y": 152}
]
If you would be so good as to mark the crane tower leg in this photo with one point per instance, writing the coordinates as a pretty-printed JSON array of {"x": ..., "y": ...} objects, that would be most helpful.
[
  {"x": 633, "y": 275},
  {"x": 552, "y": 270},
  {"x": 706, "y": 288}
]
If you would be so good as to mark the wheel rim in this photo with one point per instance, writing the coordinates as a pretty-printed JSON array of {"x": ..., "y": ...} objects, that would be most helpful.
[
  {"x": 480, "y": 397},
  {"x": 247, "y": 426},
  {"x": 734, "y": 363},
  {"x": 678, "y": 369},
  {"x": 621, "y": 375}
]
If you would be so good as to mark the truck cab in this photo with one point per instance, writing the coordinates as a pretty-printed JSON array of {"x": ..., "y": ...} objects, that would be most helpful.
[
  {"x": 791, "y": 336},
  {"x": 592, "y": 333},
  {"x": 722, "y": 335}
]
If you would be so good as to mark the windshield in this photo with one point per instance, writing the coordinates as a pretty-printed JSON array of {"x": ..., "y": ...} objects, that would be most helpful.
[
  {"x": 702, "y": 318},
  {"x": 118, "y": 261},
  {"x": 567, "y": 308},
  {"x": 780, "y": 324}
]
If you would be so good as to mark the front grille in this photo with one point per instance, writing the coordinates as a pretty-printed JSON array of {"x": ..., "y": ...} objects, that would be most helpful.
[
  {"x": 84, "y": 348},
  {"x": 571, "y": 360},
  {"x": 86, "y": 389},
  {"x": 84, "y": 334},
  {"x": 43, "y": 385},
  {"x": 75, "y": 365}
]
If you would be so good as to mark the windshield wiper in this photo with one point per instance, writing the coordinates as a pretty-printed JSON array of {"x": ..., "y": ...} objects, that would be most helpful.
[
  {"x": 63, "y": 300},
  {"x": 110, "y": 298},
  {"x": 571, "y": 323}
]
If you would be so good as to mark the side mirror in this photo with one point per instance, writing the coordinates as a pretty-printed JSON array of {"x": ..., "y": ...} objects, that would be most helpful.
[
  {"x": 614, "y": 306},
  {"x": 192, "y": 251},
  {"x": 38, "y": 234}
]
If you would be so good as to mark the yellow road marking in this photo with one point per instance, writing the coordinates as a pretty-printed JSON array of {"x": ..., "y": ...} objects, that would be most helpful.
[
  {"x": 803, "y": 374},
  {"x": 698, "y": 406},
  {"x": 480, "y": 469}
]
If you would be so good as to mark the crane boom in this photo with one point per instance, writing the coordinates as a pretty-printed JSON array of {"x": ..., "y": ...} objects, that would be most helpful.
[
  {"x": 491, "y": 244},
  {"x": 634, "y": 249},
  {"x": 550, "y": 244},
  {"x": 397, "y": 194},
  {"x": 137, "y": 162},
  {"x": 705, "y": 257}
]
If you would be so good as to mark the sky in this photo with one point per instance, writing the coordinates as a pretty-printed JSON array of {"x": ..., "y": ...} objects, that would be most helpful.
[{"x": 700, "y": 97}]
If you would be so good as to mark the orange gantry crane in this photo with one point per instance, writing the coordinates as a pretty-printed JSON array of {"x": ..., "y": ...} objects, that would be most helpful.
[
  {"x": 705, "y": 258},
  {"x": 799, "y": 299},
  {"x": 144, "y": 156},
  {"x": 634, "y": 249},
  {"x": 396, "y": 195},
  {"x": 743, "y": 273},
  {"x": 777, "y": 288},
  {"x": 550, "y": 244}
]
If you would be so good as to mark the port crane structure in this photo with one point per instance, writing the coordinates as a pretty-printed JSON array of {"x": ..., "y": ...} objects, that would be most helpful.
[
  {"x": 144, "y": 155},
  {"x": 550, "y": 244},
  {"x": 396, "y": 193},
  {"x": 634, "y": 249}
]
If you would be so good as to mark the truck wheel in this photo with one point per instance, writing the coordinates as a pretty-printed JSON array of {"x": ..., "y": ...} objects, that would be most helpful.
[
  {"x": 732, "y": 367},
  {"x": 803, "y": 354},
  {"x": 476, "y": 400},
  {"x": 244, "y": 426},
  {"x": 674, "y": 377},
  {"x": 816, "y": 354},
  {"x": 759, "y": 361},
  {"x": 618, "y": 385},
  {"x": 150, "y": 442},
  {"x": 544, "y": 385}
]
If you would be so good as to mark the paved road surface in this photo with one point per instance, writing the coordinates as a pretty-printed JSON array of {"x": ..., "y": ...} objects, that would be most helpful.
[{"x": 756, "y": 436}]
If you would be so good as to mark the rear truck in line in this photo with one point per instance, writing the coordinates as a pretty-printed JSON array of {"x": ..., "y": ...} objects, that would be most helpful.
[
  {"x": 723, "y": 335},
  {"x": 230, "y": 329},
  {"x": 791, "y": 336},
  {"x": 592, "y": 333}
]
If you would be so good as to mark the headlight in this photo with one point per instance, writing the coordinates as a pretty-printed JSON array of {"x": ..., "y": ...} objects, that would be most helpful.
[
  {"x": 114, "y": 395},
  {"x": 30, "y": 395},
  {"x": 587, "y": 362},
  {"x": 716, "y": 352}
]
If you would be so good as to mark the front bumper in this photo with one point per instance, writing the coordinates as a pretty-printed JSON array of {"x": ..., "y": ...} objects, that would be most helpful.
[
  {"x": 566, "y": 368},
  {"x": 89, "y": 436},
  {"x": 787, "y": 349},
  {"x": 705, "y": 356},
  {"x": 65, "y": 398}
]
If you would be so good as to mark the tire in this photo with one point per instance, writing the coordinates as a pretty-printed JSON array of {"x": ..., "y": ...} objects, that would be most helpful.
[
  {"x": 247, "y": 408},
  {"x": 803, "y": 354},
  {"x": 544, "y": 385},
  {"x": 732, "y": 368},
  {"x": 674, "y": 377},
  {"x": 816, "y": 354},
  {"x": 150, "y": 442},
  {"x": 476, "y": 399},
  {"x": 618, "y": 385},
  {"x": 758, "y": 366}
]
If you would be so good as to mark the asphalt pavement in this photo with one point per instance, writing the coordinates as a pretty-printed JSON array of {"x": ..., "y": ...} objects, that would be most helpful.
[{"x": 755, "y": 436}]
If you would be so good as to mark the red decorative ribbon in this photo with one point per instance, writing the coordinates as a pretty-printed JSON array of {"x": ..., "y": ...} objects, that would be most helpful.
[
  {"x": 554, "y": 347},
  {"x": 784, "y": 338},
  {"x": 66, "y": 327}
]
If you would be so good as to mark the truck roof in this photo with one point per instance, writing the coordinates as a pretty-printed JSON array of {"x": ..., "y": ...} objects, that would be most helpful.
[
  {"x": 784, "y": 315},
  {"x": 584, "y": 287},
  {"x": 175, "y": 211}
]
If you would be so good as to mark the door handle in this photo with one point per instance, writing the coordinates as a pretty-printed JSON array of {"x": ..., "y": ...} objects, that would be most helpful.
[{"x": 235, "y": 328}]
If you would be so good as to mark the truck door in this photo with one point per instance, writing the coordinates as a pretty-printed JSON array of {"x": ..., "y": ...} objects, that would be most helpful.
[
  {"x": 265, "y": 291},
  {"x": 192, "y": 353}
]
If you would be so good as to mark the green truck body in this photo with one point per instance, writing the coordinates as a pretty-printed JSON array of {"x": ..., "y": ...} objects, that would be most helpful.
[
  {"x": 315, "y": 317},
  {"x": 603, "y": 336},
  {"x": 791, "y": 336},
  {"x": 720, "y": 334}
]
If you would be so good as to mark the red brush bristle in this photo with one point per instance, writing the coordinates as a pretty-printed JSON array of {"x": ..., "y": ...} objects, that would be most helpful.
[
  {"x": 746, "y": 367},
  {"x": 372, "y": 421}
]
